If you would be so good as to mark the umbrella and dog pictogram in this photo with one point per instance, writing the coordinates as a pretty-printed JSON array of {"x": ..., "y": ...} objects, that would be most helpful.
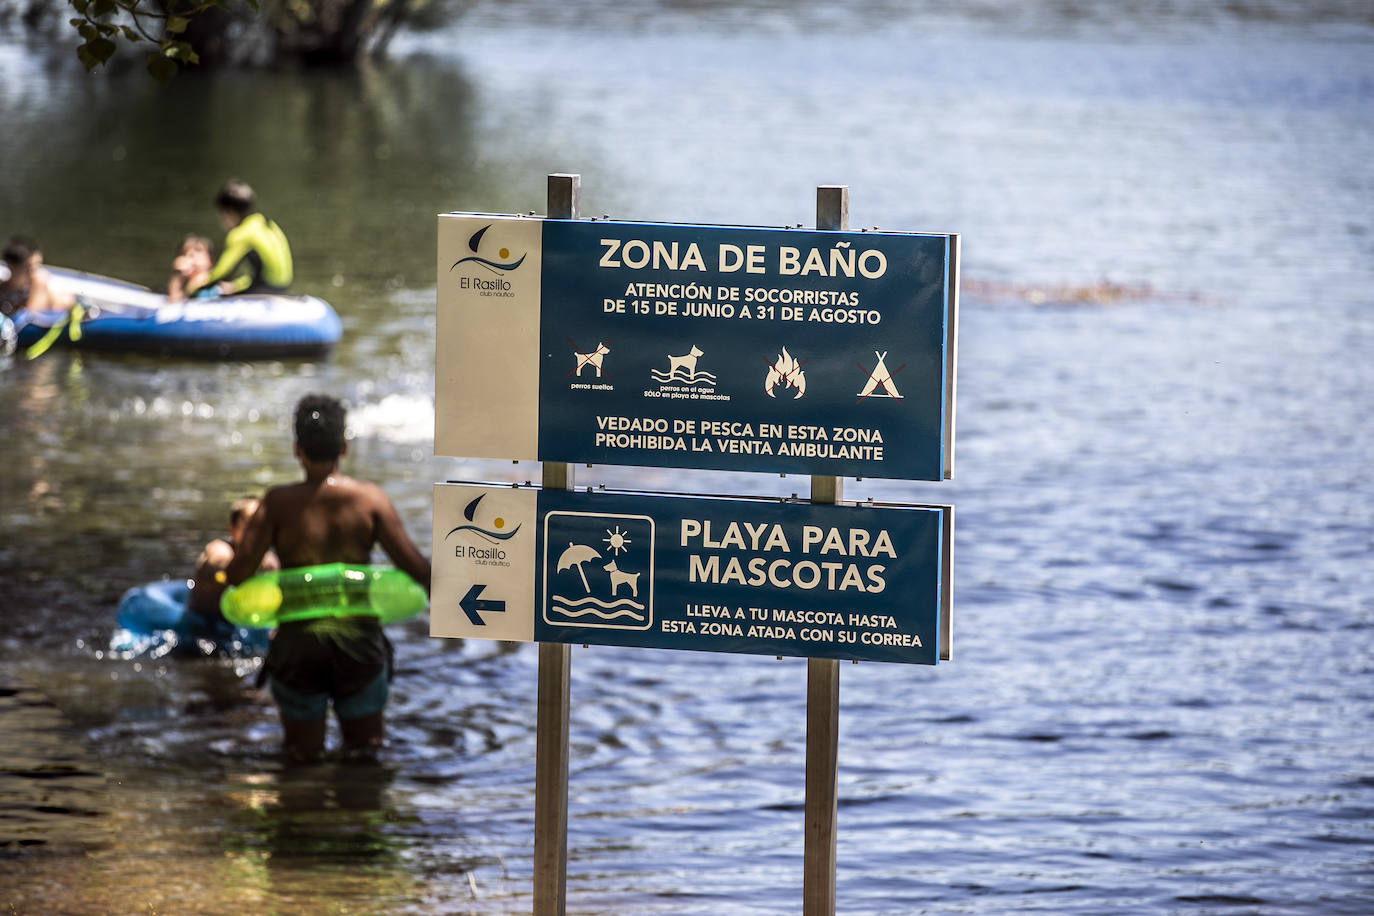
[{"x": 613, "y": 584}]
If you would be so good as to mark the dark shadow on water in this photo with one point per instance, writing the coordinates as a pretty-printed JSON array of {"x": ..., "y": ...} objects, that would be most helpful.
[{"x": 52, "y": 791}]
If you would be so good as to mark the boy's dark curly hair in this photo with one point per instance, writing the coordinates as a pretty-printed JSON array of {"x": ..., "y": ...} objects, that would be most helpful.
[{"x": 320, "y": 427}]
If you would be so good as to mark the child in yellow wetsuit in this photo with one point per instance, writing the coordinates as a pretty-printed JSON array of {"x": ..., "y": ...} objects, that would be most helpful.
[{"x": 256, "y": 256}]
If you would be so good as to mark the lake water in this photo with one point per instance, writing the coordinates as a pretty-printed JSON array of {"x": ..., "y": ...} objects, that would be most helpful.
[{"x": 1163, "y": 684}]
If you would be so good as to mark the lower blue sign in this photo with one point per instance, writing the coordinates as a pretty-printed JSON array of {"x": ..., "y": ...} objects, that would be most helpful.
[{"x": 724, "y": 575}]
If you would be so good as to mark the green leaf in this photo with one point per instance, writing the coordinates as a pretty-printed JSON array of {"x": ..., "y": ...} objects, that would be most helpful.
[
  {"x": 102, "y": 8},
  {"x": 130, "y": 34},
  {"x": 180, "y": 50},
  {"x": 88, "y": 31},
  {"x": 176, "y": 25},
  {"x": 88, "y": 60},
  {"x": 161, "y": 67},
  {"x": 101, "y": 49}
]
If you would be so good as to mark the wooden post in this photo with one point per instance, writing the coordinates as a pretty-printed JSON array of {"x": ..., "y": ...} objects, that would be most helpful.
[
  {"x": 823, "y": 682},
  {"x": 555, "y": 665}
]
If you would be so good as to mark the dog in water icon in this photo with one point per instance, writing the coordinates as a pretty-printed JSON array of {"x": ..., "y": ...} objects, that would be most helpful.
[
  {"x": 688, "y": 362},
  {"x": 619, "y": 578}
]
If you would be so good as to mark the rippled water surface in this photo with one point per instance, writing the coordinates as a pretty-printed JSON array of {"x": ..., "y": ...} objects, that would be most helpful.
[{"x": 1163, "y": 682}]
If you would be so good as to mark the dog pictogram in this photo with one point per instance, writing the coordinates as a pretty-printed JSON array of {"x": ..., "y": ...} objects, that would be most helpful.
[{"x": 619, "y": 578}]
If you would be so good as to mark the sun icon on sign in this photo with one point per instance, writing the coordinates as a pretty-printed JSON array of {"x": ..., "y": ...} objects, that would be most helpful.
[{"x": 617, "y": 540}]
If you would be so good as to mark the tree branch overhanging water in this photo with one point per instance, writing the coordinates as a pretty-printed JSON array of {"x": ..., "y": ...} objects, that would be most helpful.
[{"x": 175, "y": 34}]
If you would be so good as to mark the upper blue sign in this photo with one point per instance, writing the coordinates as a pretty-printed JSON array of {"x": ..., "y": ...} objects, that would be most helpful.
[{"x": 700, "y": 347}]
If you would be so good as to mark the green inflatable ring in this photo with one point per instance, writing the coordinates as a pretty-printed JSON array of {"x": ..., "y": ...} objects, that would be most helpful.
[{"x": 330, "y": 590}]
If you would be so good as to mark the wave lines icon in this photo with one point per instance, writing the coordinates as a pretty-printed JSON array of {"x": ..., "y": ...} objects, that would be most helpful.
[
  {"x": 680, "y": 375},
  {"x": 595, "y": 607}
]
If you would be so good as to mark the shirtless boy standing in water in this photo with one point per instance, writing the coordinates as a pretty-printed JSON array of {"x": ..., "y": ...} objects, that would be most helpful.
[{"x": 327, "y": 518}]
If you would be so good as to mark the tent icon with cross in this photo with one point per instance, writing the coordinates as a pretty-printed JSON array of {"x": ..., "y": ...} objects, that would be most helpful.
[{"x": 880, "y": 378}]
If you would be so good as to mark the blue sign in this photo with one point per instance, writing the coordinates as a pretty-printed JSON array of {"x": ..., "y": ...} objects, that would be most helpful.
[
  {"x": 725, "y": 348},
  {"x": 725, "y": 575}
]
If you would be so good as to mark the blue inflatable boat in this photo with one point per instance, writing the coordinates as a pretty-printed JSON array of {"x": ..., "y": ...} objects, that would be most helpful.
[
  {"x": 115, "y": 315},
  {"x": 153, "y": 621}
]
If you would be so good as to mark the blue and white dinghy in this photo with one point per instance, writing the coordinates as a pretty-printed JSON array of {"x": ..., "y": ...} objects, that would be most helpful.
[{"x": 114, "y": 315}]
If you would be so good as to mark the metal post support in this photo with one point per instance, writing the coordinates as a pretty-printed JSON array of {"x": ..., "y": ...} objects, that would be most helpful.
[
  {"x": 822, "y": 763},
  {"x": 823, "y": 681},
  {"x": 555, "y": 668},
  {"x": 551, "y": 781}
]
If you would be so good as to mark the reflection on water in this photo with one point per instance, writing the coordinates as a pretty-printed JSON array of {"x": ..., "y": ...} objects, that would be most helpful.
[
  {"x": 324, "y": 839},
  {"x": 1162, "y": 593},
  {"x": 346, "y": 162}
]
